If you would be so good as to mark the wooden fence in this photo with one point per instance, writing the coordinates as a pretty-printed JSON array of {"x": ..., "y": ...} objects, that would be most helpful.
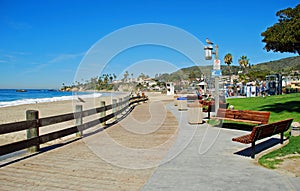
[{"x": 33, "y": 123}]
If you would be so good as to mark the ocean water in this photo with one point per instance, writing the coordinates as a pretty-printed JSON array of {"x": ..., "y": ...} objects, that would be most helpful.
[{"x": 11, "y": 97}]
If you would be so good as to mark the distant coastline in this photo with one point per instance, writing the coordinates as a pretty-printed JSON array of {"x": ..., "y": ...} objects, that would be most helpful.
[{"x": 13, "y": 97}]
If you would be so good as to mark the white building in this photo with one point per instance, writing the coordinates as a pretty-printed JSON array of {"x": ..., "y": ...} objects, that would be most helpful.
[{"x": 170, "y": 88}]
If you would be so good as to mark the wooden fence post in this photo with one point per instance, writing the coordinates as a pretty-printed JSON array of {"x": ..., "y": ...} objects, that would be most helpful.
[
  {"x": 114, "y": 109},
  {"x": 127, "y": 102},
  {"x": 120, "y": 105},
  {"x": 103, "y": 113},
  {"x": 33, "y": 131},
  {"x": 78, "y": 122}
]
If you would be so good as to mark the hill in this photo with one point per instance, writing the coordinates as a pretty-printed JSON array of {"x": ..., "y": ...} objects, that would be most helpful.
[
  {"x": 285, "y": 65},
  {"x": 278, "y": 66}
]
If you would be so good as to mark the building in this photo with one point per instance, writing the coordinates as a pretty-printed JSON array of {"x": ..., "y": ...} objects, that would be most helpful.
[{"x": 170, "y": 88}]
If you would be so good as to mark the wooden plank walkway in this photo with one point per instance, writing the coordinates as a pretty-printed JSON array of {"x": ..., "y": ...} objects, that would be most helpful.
[{"x": 76, "y": 166}]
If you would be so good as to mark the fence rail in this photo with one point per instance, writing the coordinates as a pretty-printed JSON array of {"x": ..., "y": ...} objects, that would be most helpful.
[{"x": 33, "y": 141}]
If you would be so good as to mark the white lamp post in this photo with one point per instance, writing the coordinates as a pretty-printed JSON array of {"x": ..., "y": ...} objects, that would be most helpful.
[{"x": 208, "y": 56}]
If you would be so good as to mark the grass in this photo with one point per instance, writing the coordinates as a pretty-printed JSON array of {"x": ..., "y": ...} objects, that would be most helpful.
[
  {"x": 281, "y": 107},
  {"x": 291, "y": 150}
]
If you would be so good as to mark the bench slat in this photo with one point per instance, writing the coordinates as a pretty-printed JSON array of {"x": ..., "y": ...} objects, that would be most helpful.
[
  {"x": 261, "y": 117},
  {"x": 272, "y": 129},
  {"x": 264, "y": 131},
  {"x": 246, "y": 139}
]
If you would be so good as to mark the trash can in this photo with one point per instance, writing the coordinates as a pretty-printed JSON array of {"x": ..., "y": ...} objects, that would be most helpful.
[
  {"x": 175, "y": 100},
  {"x": 295, "y": 131},
  {"x": 192, "y": 98},
  {"x": 182, "y": 103},
  {"x": 195, "y": 114}
]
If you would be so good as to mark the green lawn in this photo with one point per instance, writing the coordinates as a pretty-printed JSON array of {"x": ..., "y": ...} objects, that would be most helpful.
[
  {"x": 281, "y": 107},
  {"x": 291, "y": 150}
]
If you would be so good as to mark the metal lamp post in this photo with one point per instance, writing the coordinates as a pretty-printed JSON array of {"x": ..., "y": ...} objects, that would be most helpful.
[{"x": 216, "y": 72}]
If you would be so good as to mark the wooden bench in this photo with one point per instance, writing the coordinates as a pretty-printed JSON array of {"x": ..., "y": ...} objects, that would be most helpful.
[
  {"x": 246, "y": 116},
  {"x": 263, "y": 131}
]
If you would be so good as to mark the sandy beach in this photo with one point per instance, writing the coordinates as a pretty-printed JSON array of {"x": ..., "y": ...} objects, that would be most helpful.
[{"x": 18, "y": 113}]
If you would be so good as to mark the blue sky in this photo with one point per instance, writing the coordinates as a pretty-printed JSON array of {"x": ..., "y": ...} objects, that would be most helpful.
[{"x": 42, "y": 43}]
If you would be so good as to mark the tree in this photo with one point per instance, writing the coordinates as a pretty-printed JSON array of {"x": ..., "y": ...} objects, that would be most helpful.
[
  {"x": 142, "y": 76},
  {"x": 111, "y": 78},
  {"x": 126, "y": 74},
  {"x": 228, "y": 61},
  {"x": 105, "y": 78},
  {"x": 192, "y": 76},
  {"x": 284, "y": 36},
  {"x": 115, "y": 76},
  {"x": 244, "y": 62}
]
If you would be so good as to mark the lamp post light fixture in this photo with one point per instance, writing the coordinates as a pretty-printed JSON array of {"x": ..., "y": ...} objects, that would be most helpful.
[
  {"x": 208, "y": 52},
  {"x": 216, "y": 68}
]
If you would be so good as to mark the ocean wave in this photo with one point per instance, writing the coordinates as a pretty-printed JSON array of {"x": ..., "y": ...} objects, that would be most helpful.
[{"x": 44, "y": 100}]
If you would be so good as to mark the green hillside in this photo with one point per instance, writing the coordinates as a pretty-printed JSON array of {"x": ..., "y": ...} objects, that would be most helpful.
[
  {"x": 278, "y": 66},
  {"x": 286, "y": 65}
]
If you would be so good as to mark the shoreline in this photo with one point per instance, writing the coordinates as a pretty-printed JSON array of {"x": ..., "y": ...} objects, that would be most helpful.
[
  {"x": 17, "y": 113},
  {"x": 50, "y": 98}
]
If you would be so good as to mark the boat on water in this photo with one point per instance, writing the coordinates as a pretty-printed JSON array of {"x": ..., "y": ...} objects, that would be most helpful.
[{"x": 21, "y": 90}]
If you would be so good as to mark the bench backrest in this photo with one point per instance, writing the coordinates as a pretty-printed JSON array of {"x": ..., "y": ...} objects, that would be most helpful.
[
  {"x": 263, "y": 131},
  {"x": 261, "y": 116}
]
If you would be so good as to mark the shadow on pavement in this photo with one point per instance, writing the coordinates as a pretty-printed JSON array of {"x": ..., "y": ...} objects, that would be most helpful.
[
  {"x": 259, "y": 147},
  {"x": 237, "y": 126}
]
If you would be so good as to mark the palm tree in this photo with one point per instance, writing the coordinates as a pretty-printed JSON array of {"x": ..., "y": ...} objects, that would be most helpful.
[
  {"x": 228, "y": 61},
  {"x": 244, "y": 62},
  {"x": 111, "y": 78},
  {"x": 126, "y": 74}
]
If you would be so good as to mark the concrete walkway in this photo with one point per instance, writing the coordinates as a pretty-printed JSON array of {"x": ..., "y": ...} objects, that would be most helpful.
[{"x": 209, "y": 162}]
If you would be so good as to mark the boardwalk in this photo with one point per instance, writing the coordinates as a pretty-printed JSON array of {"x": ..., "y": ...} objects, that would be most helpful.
[
  {"x": 147, "y": 150},
  {"x": 76, "y": 167}
]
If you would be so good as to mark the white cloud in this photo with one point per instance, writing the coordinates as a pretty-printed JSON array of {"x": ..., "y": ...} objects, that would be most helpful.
[
  {"x": 38, "y": 66},
  {"x": 12, "y": 57},
  {"x": 64, "y": 57},
  {"x": 7, "y": 58},
  {"x": 34, "y": 69}
]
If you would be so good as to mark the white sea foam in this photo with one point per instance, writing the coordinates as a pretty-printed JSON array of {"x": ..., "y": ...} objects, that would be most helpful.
[{"x": 43, "y": 100}]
